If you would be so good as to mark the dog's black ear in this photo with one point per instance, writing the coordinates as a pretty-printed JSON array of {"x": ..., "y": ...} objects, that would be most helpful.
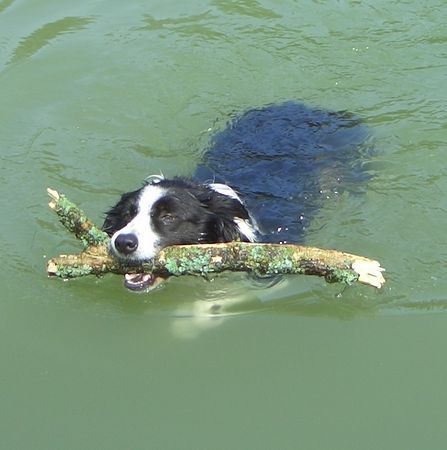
[
  {"x": 122, "y": 213},
  {"x": 230, "y": 219},
  {"x": 227, "y": 230},
  {"x": 223, "y": 205}
]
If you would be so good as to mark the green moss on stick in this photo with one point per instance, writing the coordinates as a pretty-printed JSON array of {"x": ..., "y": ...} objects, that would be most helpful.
[
  {"x": 337, "y": 275},
  {"x": 271, "y": 260},
  {"x": 95, "y": 236},
  {"x": 180, "y": 261},
  {"x": 74, "y": 271},
  {"x": 75, "y": 220}
]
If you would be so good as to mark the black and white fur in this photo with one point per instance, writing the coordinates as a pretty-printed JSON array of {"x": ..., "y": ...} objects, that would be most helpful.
[
  {"x": 286, "y": 160},
  {"x": 178, "y": 211}
]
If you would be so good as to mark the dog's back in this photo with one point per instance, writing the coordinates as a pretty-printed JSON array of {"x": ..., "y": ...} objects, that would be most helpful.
[{"x": 285, "y": 160}]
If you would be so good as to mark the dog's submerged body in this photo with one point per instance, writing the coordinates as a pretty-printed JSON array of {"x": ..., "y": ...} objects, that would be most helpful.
[
  {"x": 285, "y": 160},
  {"x": 271, "y": 166}
]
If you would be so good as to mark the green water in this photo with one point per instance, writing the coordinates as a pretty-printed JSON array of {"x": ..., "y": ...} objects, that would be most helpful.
[{"x": 97, "y": 95}]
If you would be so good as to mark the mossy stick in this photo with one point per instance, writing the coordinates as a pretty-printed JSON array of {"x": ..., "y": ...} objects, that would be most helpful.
[
  {"x": 75, "y": 220},
  {"x": 204, "y": 259}
]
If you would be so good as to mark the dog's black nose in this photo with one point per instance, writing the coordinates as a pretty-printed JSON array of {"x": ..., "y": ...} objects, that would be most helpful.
[{"x": 126, "y": 243}]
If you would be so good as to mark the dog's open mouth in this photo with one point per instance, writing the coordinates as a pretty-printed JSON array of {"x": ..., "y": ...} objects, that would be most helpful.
[{"x": 142, "y": 281}]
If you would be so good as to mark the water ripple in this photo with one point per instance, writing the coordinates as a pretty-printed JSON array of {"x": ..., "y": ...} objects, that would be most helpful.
[
  {"x": 44, "y": 35},
  {"x": 5, "y": 4}
]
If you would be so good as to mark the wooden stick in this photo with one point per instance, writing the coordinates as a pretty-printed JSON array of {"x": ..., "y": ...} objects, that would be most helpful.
[{"x": 203, "y": 259}]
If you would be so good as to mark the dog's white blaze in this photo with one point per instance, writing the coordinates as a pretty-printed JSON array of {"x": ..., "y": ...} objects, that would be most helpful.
[
  {"x": 141, "y": 225},
  {"x": 246, "y": 228},
  {"x": 225, "y": 190}
]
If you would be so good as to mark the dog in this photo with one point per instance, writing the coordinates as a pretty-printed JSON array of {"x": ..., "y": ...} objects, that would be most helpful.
[
  {"x": 262, "y": 178},
  {"x": 169, "y": 212}
]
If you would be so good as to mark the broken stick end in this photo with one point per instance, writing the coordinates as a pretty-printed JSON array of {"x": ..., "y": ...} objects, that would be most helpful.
[
  {"x": 370, "y": 272},
  {"x": 54, "y": 196}
]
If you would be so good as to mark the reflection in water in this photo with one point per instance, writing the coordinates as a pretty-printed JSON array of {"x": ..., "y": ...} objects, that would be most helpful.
[
  {"x": 251, "y": 8},
  {"x": 44, "y": 35},
  {"x": 196, "y": 305},
  {"x": 5, "y": 4},
  {"x": 196, "y": 25}
]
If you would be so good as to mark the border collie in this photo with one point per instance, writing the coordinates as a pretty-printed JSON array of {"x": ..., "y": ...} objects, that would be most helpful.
[
  {"x": 277, "y": 164},
  {"x": 178, "y": 211}
]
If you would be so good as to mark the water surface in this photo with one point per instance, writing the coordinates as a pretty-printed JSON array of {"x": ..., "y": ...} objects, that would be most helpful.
[{"x": 96, "y": 96}]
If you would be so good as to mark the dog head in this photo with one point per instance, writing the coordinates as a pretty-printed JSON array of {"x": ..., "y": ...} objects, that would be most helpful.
[{"x": 178, "y": 211}]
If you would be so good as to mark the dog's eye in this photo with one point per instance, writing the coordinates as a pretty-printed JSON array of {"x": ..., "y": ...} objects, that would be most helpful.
[
  {"x": 132, "y": 211},
  {"x": 167, "y": 219}
]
